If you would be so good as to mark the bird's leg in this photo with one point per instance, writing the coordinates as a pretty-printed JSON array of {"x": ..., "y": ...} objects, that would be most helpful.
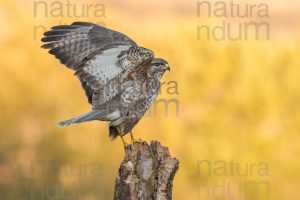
[
  {"x": 124, "y": 142},
  {"x": 133, "y": 140}
]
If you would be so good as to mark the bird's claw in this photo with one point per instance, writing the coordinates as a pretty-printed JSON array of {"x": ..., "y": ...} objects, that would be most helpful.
[
  {"x": 124, "y": 142},
  {"x": 134, "y": 140}
]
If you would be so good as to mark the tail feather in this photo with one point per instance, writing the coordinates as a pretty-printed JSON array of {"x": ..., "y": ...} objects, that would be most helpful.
[
  {"x": 113, "y": 132},
  {"x": 92, "y": 115}
]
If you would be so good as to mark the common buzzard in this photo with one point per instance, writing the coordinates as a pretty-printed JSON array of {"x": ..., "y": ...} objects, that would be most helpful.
[{"x": 121, "y": 79}]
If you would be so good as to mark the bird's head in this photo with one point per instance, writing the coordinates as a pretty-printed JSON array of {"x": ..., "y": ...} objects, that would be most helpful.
[{"x": 158, "y": 66}]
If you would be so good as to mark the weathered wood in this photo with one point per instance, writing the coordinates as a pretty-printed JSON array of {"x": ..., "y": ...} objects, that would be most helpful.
[{"x": 146, "y": 173}]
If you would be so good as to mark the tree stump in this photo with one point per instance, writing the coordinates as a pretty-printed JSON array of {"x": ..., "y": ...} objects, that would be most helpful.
[{"x": 146, "y": 173}]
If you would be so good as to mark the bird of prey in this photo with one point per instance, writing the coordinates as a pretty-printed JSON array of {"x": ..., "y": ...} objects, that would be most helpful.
[{"x": 120, "y": 79}]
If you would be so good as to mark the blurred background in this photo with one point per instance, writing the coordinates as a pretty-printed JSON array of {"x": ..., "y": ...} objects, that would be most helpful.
[{"x": 223, "y": 101}]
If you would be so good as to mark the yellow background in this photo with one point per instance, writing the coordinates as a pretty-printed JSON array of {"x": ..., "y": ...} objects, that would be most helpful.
[{"x": 239, "y": 101}]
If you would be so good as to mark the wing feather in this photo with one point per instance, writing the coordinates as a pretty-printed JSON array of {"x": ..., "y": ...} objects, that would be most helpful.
[
  {"x": 97, "y": 54},
  {"x": 74, "y": 42}
]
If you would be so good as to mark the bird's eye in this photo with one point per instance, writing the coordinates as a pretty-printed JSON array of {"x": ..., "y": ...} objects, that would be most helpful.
[{"x": 157, "y": 64}]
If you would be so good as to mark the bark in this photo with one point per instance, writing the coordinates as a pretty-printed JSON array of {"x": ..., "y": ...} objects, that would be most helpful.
[{"x": 146, "y": 173}]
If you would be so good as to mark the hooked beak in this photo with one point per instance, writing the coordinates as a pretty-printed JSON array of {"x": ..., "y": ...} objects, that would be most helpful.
[{"x": 166, "y": 67}]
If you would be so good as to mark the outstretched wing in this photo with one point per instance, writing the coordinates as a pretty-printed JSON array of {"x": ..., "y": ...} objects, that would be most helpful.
[
  {"x": 97, "y": 54},
  {"x": 71, "y": 44},
  {"x": 102, "y": 80}
]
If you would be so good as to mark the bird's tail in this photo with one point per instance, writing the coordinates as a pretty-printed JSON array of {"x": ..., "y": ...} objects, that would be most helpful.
[{"x": 92, "y": 115}]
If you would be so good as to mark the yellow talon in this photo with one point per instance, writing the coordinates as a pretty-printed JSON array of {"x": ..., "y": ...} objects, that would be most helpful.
[
  {"x": 134, "y": 140},
  {"x": 124, "y": 142}
]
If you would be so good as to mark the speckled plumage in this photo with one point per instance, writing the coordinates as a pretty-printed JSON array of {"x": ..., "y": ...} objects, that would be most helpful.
[{"x": 120, "y": 78}]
